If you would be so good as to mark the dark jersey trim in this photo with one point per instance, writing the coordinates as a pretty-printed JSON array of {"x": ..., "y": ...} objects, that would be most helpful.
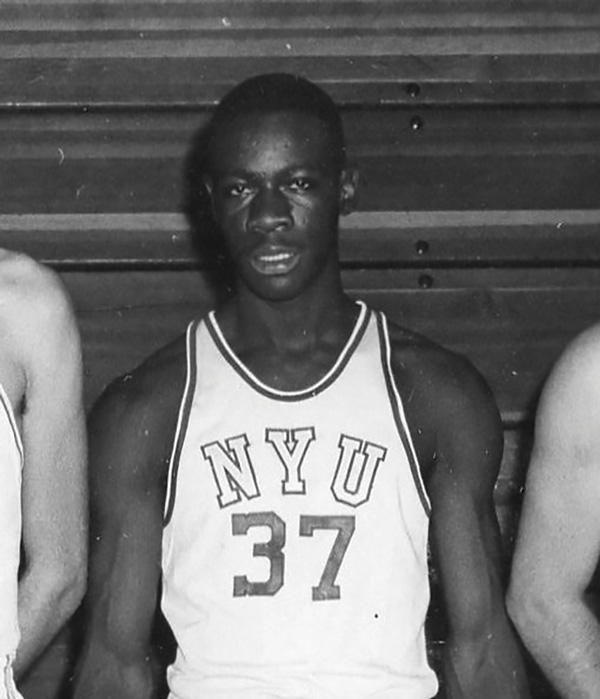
[
  {"x": 13, "y": 424},
  {"x": 291, "y": 396},
  {"x": 183, "y": 419},
  {"x": 394, "y": 397}
]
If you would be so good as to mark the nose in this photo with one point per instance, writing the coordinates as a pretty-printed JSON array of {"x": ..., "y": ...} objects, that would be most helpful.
[{"x": 269, "y": 212}]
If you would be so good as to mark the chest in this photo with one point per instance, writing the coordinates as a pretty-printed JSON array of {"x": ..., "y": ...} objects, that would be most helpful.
[{"x": 290, "y": 369}]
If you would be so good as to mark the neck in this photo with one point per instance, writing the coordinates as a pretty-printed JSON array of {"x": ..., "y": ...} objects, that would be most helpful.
[{"x": 249, "y": 321}]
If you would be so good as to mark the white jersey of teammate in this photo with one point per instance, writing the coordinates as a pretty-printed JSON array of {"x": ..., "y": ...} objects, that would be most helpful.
[
  {"x": 11, "y": 464},
  {"x": 295, "y": 544}
]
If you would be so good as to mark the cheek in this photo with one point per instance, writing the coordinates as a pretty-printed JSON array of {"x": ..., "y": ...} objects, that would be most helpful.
[
  {"x": 231, "y": 218},
  {"x": 314, "y": 212},
  {"x": 228, "y": 209},
  {"x": 323, "y": 217}
]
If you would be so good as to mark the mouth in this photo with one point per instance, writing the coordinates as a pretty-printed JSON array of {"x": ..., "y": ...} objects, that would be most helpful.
[{"x": 274, "y": 263}]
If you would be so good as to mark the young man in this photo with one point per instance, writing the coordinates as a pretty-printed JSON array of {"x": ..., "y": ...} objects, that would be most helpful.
[
  {"x": 43, "y": 497},
  {"x": 280, "y": 463},
  {"x": 559, "y": 538}
]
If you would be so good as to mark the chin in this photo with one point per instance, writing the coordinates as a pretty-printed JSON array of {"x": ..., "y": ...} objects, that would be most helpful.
[
  {"x": 273, "y": 289},
  {"x": 277, "y": 294}
]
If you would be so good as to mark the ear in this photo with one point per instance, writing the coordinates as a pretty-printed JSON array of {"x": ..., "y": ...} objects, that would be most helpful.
[
  {"x": 207, "y": 183},
  {"x": 348, "y": 191},
  {"x": 207, "y": 193}
]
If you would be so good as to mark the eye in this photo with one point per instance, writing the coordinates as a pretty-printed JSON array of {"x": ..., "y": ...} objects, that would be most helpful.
[
  {"x": 300, "y": 184},
  {"x": 237, "y": 189}
]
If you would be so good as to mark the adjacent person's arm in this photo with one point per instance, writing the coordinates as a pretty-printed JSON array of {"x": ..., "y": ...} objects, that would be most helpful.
[
  {"x": 459, "y": 441},
  {"x": 130, "y": 432},
  {"x": 558, "y": 546},
  {"x": 54, "y": 485}
]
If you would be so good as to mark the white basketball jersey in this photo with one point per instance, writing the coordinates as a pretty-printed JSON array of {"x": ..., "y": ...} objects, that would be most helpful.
[
  {"x": 11, "y": 463},
  {"x": 295, "y": 544}
]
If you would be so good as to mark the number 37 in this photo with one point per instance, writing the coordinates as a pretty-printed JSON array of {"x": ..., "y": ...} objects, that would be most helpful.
[{"x": 273, "y": 551}]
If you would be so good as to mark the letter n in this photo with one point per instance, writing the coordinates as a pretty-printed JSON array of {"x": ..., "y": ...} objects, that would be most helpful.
[{"x": 232, "y": 469}]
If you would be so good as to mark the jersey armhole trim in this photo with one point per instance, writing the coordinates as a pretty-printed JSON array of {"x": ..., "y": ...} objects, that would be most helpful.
[
  {"x": 398, "y": 412},
  {"x": 13, "y": 424},
  {"x": 182, "y": 419}
]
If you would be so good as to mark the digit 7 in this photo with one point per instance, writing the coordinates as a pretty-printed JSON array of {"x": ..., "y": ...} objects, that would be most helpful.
[{"x": 327, "y": 589}]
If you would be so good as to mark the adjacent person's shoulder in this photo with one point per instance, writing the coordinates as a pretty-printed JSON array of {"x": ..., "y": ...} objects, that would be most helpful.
[
  {"x": 37, "y": 324},
  {"x": 33, "y": 294},
  {"x": 571, "y": 393},
  {"x": 579, "y": 363}
]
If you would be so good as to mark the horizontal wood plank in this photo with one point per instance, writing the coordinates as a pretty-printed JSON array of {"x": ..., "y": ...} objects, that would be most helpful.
[
  {"x": 67, "y": 83},
  {"x": 461, "y": 159},
  {"x": 420, "y": 240},
  {"x": 455, "y": 16}
]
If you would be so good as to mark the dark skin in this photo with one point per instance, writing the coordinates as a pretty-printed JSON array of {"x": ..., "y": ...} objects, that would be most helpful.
[{"x": 277, "y": 193}]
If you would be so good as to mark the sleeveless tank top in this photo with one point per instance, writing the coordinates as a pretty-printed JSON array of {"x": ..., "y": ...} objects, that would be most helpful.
[
  {"x": 295, "y": 541},
  {"x": 11, "y": 463}
]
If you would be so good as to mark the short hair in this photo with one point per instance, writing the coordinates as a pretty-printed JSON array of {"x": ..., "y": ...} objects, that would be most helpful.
[{"x": 280, "y": 92}]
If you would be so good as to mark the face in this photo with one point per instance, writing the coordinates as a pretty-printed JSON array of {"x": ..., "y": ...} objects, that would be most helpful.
[{"x": 277, "y": 194}]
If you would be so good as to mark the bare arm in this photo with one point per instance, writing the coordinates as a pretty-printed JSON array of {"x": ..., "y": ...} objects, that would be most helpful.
[
  {"x": 559, "y": 539},
  {"x": 460, "y": 448},
  {"x": 46, "y": 345},
  {"x": 131, "y": 430}
]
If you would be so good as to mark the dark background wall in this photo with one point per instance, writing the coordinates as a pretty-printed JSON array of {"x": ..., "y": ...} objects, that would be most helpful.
[{"x": 475, "y": 125}]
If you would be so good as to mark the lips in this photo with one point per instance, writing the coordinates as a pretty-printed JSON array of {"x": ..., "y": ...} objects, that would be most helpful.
[{"x": 274, "y": 262}]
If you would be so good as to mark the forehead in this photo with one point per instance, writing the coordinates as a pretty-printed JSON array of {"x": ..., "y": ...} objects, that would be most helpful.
[{"x": 280, "y": 139}]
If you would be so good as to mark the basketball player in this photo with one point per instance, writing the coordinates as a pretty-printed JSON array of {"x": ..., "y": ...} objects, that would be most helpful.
[
  {"x": 284, "y": 465},
  {"x": 558, "y": 546},
  {"x": 43, "y": 492}
]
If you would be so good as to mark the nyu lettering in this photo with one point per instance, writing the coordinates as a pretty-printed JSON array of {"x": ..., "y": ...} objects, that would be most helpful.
[{"x": 235, "y": 473}]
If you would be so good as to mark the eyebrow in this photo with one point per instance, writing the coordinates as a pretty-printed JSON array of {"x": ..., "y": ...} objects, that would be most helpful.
[{"x": 251, "y": 174}]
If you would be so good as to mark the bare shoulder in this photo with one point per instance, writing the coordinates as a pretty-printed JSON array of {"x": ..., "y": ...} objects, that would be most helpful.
[
  {"x": 151, "y": 382},
  {"x": 449, "y": 406},
  {"x": 34, "y": 306},
  {"x": 31, "y": 288},
  {"x": 585, "y": 344},
  {"x": 133, "y": 422},
  {"x": 435, "y": 373},
  {"x": 575, "y": 377},
  {"x": 568, "y": 413}
]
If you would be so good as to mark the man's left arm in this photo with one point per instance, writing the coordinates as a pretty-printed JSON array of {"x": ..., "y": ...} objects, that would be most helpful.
[
  {"x": 54, "y": 490},
  {"x": 482, "y": 656}
]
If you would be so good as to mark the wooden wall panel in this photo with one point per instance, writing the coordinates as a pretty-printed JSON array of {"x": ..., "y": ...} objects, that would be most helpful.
[
  {"x": 189, "y": 53},
  {"x": 458, "y": 159}
]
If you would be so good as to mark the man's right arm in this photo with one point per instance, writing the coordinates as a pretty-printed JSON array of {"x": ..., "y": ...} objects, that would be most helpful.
[
  {"x": 559, "y": 539},
  {"x": 128, "y": 437}
]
